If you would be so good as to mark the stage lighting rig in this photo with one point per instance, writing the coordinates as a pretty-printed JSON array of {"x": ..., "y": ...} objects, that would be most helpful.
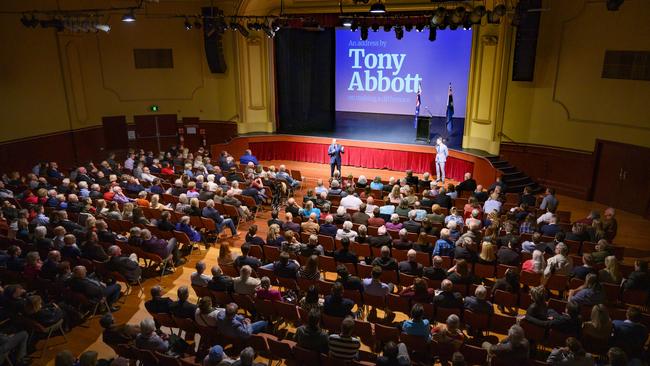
[
  {"x": 29, "y": 22},
  {"x": 477, "y": 14},
  {"x": 387, "y": 27},
  {"x": 375, "y": 27},
  {"x": 187, "y": 24},
  {"x": 408, "y": 27},
  {"x": 439, "y": 17},
  {"x": 129, "y": 16},
  {"x": 378, "y": 8},
  {"x": 419, "y": 27}
]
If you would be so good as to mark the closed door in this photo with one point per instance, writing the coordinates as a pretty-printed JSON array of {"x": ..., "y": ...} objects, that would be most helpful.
[
  {"x": 156, "y": 132},
  {"x": 623, "y": 176},
  {"x": 115, "y": 135}
]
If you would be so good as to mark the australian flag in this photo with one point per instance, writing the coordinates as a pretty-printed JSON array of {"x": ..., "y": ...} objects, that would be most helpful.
[
  {"x": 450, "y": 111},
  {"x": 417, "y": 107}
]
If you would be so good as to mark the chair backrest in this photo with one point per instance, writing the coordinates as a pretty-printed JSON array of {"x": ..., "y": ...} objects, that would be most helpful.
[{"x": 304, "y": 356}]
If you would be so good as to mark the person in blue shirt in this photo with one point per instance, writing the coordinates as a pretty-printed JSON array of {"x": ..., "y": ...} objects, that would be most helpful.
[
  {"x": 212, "y": 213},
  {"x": 417, "y": 325},
  {"x": 234, "y": 325},
  {"x": 248, "y": 157},
  {"x": 184, "y": 226},
  {"x": 444, "y": 247},
  {"x": 376, "y": 184},
  {"x": 630, "y": 334},
  {"x": 590, "y": 293},
  {"x": 282, "y": 174}
]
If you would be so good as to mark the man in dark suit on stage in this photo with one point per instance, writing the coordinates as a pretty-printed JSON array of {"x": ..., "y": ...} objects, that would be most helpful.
[{"x": 334, "y": 151}]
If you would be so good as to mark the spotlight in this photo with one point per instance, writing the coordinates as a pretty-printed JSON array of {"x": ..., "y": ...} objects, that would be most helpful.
[
  {"x": 493, "y": 17},
  {"x": 129, "y": 16},
  {"x": 268, "y": 31},
  {"x": 103, "y": 27},
  {"x": 27, "y": 22},
  {"x": 52, "y": 23},
  {"x": 375, "y": 27},
  {"x": 432, "y": 33},
  {"x": 399, "y": 32},
  {"x": 354, "y": 27},
  {"x": 419, "y": 27},
  {"x": 387, "y": 27},
  {"x": 347, "y": 22},
  {"x": 476, "y": 14},
  {"x": 439, "y": 16},
  {"x": 187, "y": 24},
  {"x": 408, "y": 27},
  {"x": 364, "y": 32},
  {"x": 233, "y": 25},
  {"x": 275, "y": 25},
  {"x": 242, "y": 30},
  {"x": 500, "y": 10},
  {"x": 457, "y": 15},
  {"x": 467, "y": 25},
  {"x": 613, "y": 5},
  {"x": 378, "y": 8}
]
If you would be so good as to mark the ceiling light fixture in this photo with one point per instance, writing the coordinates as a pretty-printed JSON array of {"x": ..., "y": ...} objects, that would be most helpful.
[
  {"x": 187, "y": 24},
  {"x": 378, "y": 8}
]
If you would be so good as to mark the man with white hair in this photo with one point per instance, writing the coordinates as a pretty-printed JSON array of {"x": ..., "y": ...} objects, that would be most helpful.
[
  {"x": 209, "y": 211},
  {"x": 146, "y": 175},
  {"x": 403, "y": 243},
  {"x": 42, "y": 243},
  {"x": 119, "y": 196},
  {"x": 95, "y": 191},
  {"x": 283, "y": 175},
  {"x": 478, "y": 303},
  {"x": 148, "y": 339},
  {"x": 410, "y": 266},
  {"x": 320, "y": 187},
  {"x": 515, "y": 347},
  {"x": 328, "y": 228},
  {"x": 126, "y": 266},
  {"x": 444, "y": 246},
  {"x": 560, "y": 263},
  {"x": 163, "y": 248},
  {"x": 381, "y": 239},
  {"x": 411, "y": 225}
]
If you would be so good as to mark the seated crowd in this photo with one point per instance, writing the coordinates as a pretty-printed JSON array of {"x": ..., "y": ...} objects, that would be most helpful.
[{"x": 433, "y": 253}]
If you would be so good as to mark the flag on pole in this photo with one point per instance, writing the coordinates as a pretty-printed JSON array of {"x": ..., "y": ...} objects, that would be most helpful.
[
  {"x": 450, "y": 110},
  {"x": 417, "y": 107}
]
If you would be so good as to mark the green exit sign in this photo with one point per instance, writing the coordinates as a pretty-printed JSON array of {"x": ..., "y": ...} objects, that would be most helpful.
[{"x": 154, "y": 108}]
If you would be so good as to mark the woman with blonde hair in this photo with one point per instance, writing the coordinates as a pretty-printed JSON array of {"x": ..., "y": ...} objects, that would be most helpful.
[
  {"x": 100, "y": 207},
  {"x": 611, "y": 273},
  {"x": 488, "y": 253},
  {"x": 127, "y": 211},
  {"x": 155, "y": 203},
  {"x": 600, "y": 324},
  {"x": 395, "y": 197},
  {"x": 273, "y": 237}
]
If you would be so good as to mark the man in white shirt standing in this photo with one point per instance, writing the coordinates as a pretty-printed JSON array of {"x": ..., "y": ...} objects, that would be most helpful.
[{"x": 441, "y": 158}]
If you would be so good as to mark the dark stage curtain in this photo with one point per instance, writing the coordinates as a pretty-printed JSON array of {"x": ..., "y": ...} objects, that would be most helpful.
[
  {"x": 305, "y": 79},
  {"x": 364, "y": 157}
]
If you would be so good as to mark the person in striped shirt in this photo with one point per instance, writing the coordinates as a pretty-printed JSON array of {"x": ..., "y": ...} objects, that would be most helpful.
[{"x": 344, "y": 346}]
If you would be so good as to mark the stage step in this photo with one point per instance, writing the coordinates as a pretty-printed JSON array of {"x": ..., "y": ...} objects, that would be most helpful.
[{"x": 515, "y": 179}]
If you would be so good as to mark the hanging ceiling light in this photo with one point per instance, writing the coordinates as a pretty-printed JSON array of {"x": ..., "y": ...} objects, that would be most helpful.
[
  {"x": 103, "y": 27},
  {"x": 432, "y": 34},
  {"x": 439, "y": 16},
  {"x": 399, "y": 32},
  {"x": 347, "y": 22},
  {"x": 187, "y": 24},
  {"x": 378, "y": 8},
  {"x": 129, "y": 16},
  {"x": 364, "y": 32}
]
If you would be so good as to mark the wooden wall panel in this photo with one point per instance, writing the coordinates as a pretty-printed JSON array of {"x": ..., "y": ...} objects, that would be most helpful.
[{"x": 568, "y": 171}]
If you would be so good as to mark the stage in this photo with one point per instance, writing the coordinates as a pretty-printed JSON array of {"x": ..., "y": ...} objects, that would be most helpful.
[
  {"x": 394, "y": 128},
  {"x": 358, "y": 153}
]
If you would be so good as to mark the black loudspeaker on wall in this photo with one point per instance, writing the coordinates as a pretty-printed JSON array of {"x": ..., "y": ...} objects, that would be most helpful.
[
  {"x": 212, "y": 40},
  {"x": 526, "y": 20}
]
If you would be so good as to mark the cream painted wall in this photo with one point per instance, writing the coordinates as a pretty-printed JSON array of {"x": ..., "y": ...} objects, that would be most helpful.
[
  {"x": 569, "y": 104},
  {"x": 52, "y": 82}
]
